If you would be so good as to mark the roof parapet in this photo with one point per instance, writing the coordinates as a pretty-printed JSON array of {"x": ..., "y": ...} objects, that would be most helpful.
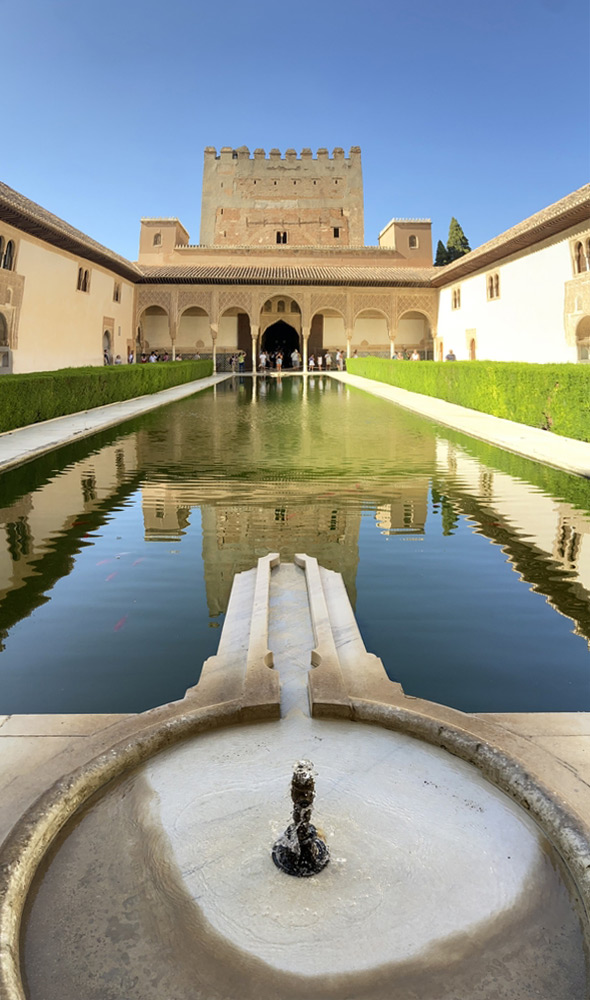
[{"x": 242, "y": 152}]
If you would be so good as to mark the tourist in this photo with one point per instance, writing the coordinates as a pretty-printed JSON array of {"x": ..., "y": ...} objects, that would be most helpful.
[
  {"x": 296, "y": 359},
  {"x": 311, "y": 363},
  {"x": 143, "y": 360},
  {"x": 241, "y": 361},
  {"x": 415, "y": 356},
  {"x": 178, "y": 357},
  {"x": 355, "y": 354},
  {"x": 153, "y": 357},
  {"x": 279, "y": 362},
  {"x": 451, "y": 356},
  {"x": 262, "y": 361},
  {"x": 340, "y": 360},
  {"x": 130, "y": 358},
  {"x": 400, "y": 356},
  {"x": 165, "y": 356},
  {"x": 320, "y": 362},
  {"x": 105, "y": 357},
  {"x": 118, "y": 360},
  {"x": 328, "y": 360}
]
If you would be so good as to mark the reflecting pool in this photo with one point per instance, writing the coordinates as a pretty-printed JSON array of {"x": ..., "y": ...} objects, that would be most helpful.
[{"x": 468, "y": 568}]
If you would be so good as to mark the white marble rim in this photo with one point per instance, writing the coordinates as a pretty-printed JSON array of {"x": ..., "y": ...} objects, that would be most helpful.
[{"x": 145, "y": 735}]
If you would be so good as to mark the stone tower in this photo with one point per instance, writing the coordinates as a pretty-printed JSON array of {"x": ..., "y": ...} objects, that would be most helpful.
[{"x": 277, "y": 200}]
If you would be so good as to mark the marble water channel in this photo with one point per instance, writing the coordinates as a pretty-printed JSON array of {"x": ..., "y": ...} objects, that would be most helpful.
[{"x": 468, "y": 568}]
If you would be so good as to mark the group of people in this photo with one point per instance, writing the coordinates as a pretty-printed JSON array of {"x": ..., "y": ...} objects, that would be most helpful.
[
  {"x": 317, "y": 361},
  {"x": 275, "y": 360},
  {"x": 407, "y": 355},
  {"x": 144, "y": 358},
  {"x": 153, "y": 358},
  {"x": 237, "y": 362}
]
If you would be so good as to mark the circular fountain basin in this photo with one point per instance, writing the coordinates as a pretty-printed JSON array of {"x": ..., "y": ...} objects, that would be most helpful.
[{"x": 439, "y": 886}]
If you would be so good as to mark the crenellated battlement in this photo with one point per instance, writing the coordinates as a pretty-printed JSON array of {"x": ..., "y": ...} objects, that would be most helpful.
[{"x": 228, "y": 153}]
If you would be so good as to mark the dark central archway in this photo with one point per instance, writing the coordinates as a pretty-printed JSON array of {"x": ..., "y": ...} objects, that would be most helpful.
[{"x": 281, "y": 337}]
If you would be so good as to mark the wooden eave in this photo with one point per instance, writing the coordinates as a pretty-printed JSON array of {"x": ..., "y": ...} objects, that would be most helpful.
[
  {"x": 385, "y": 277},
  {"x": 572, "y": 211},
  {"x": 30, "y": 218}
]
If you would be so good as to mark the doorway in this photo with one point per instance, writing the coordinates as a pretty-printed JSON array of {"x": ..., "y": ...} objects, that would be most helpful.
[{"x": 281, "y": 337}]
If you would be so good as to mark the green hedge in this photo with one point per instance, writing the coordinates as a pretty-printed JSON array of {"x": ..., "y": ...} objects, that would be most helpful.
[
  {"x": 35, "y": 396},
  {"x": 553, "y": 397}
]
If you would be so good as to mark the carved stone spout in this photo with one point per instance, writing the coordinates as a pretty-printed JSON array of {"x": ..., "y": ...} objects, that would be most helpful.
[{"x": 300, "y": 850}]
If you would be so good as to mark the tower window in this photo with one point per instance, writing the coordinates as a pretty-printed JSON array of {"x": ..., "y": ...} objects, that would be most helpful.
[
  {"x": 413, "y": 242},
  {"x": 157, "y": 239},
  {"x": 336, "y": 232},
  {"x": 281, "y": 237}
]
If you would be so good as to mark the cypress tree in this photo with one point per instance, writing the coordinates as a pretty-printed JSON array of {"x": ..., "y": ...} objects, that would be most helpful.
[
  {"x": 457, "y": 243},
  {"x": 442, "y": 256}
]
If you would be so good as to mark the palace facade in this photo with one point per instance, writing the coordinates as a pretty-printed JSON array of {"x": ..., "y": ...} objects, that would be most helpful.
[{"x": 282, "y": 264}]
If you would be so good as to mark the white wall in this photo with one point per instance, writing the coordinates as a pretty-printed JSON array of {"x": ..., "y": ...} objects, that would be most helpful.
[
  {"x": 526, "y": 322},
  {"x": 60, "y": 326}
]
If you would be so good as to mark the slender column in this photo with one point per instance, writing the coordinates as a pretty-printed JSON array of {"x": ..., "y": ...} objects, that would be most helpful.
[
  {"x": 348, "y": 340},
  {"x": 214, "y": 329},
  {"x": 173, "y": 338},
  {"x": 254, "y": 334},
  {"x": 391, "y": 334},
  {"x": 305, "y": 337}
]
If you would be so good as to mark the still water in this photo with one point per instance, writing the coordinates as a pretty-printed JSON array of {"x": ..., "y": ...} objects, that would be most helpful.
[{"x": 468, "y": 568}]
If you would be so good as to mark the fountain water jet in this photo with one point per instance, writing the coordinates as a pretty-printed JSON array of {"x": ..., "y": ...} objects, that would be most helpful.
[{"x": 300, "y": 850}]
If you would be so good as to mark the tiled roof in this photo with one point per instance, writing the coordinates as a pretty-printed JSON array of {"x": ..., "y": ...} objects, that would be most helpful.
[
  {"x": 569, "y": 211},
  {"x": 31, "y": 218},
  {"x": 215, "y": 274}
]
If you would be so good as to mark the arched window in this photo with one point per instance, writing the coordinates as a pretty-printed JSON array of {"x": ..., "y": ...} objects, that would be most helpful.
[
  {"x": 279, "y": 237},
  {"x": 268, "y": 306},
  {"x": 280, "y": 306},
  {"x": 80, "y": 279},
  {"x": 581, "y": 263},
  {"x": 1, "y": 249},
  {"x": 295, "y": 308},
  {"x": 85, "y": 278},
  {"x": 157, "y": 239},
  {"x": 8, "y": 256},
  {"x": 493, "y": 286},
  {"x": 413, "y": 242},
  {"x": 472, "y": 349}
]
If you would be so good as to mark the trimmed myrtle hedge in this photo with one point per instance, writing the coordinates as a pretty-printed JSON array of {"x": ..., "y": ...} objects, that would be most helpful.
[
  {"x": 555, "y": 397},
  {"x": 35, "y": 396}
]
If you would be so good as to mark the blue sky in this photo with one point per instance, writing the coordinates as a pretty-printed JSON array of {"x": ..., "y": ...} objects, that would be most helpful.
[{"x": 467, "y": 109}]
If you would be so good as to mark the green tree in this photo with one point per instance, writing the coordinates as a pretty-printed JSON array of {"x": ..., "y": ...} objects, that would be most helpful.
[
  {"x": 442, "y": 256},
  {"x": 457, "y": 243}
]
